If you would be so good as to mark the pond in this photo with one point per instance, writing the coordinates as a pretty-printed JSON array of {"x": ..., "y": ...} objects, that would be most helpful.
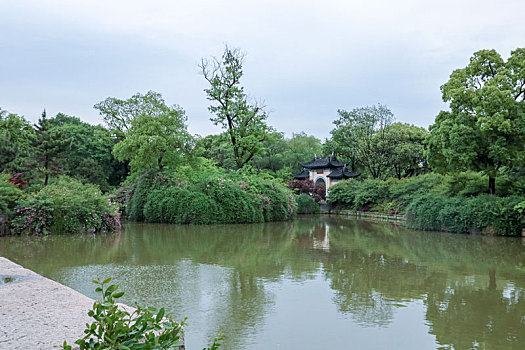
[{"x": 311, "y": 283}]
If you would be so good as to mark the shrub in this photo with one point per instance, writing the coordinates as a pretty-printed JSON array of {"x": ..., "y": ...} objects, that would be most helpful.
[
  {"x": 10, "y": 193},
  {"x": 306, "y": 204},
  {"x": 115, "y": 328},
  {"x": 66, "y": 206},
  {"x": 343, "y": 193},
  {"x": 212, "y": 198},
  {"x": 484, "y": 213},
  {"x": 138, "y": 195}
]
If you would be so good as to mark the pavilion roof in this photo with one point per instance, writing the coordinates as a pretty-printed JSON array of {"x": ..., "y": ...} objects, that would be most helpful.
[
  {"x": 305, "y": 174},
  {"x": 322, "y": 163},
  {"x": 343, "y": 173}
]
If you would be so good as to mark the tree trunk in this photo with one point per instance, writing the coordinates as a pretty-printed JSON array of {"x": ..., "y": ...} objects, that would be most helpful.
[{"x": 492, "y": 185}]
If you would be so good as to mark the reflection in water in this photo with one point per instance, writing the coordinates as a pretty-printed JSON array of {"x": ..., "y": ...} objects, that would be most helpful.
[{"x": 315, "y": 282}]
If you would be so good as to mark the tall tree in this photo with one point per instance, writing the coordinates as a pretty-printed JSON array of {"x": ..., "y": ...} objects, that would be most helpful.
[
  {"x": 407, "y": 157},
  {"x": 156, "y": 137},
  {"x": 48, "y": 149},
  {"x": 360, "y": 134},
  {"x": 16, "y": 134},
  {"x": 485, "y": 127},
  {"x": 87, "y": 155},
  {"x": 301, "y": 148},
  {"x": 118, "y": 114},
  {"x": 244, "y": 122}
]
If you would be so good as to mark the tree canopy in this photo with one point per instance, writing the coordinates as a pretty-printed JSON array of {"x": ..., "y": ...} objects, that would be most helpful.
[
  {"x": 156, "y": 136},
  {"x": 485, "y": 127}
]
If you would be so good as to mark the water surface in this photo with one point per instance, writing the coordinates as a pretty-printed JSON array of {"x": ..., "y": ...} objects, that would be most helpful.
[{"x": 312, "y": 283}]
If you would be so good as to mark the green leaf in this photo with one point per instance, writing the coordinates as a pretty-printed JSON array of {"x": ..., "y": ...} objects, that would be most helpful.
[
  {"x": 118, "y": 295},
  {"x": 160, "y": 315}
]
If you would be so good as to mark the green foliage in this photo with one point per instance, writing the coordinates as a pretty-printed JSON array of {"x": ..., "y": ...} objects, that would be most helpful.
[
  {"x": 116, "y": 328},
  {"x": 407, "y": 149},
  {"x": 9, "y": 194},
  {"x": 485, "y": 128},
  {"x": 244, "y": 123},
  {"x": 138, "y": 195},
  {"x": 360, "y": 136},
  {"x": 87, "y": 154},
  {"x": 48, "y": 149},
  {"x": 389, "y": 197},
  {"x": 190, "y": 196},
  {"x": 16, "y": 135},
  {"x": 306, "y": 204},
  {"x": 66, "y": 206},
  {"x": 484, "y": 213},
  {"x": 152, "y": 134}
]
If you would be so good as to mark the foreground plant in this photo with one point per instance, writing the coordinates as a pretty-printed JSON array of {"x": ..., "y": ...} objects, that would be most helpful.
[{"x": 116, "y": 328}]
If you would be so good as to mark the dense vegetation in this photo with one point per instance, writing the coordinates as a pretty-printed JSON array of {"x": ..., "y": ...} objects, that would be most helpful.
[
  {"x": 207, "y": 197},
  {"x": 456, "y": 203},
  {"x": 65, "y": 175}
]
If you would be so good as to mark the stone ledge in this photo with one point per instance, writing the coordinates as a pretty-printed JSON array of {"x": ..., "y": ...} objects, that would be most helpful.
[{"x": 400, "y": 219}]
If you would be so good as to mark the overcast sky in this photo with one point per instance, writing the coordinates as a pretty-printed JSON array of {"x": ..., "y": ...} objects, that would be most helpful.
[{"x": 305, "y": 59}]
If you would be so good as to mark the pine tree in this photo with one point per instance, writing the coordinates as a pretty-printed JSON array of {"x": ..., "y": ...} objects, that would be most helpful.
[{"x": 49, "y": 147}]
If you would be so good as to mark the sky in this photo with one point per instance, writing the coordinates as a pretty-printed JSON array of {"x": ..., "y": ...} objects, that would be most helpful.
[{"x": 304, "y": 59}]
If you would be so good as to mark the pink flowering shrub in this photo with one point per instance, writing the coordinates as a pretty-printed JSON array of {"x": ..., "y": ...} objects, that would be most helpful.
[{"x": 66, "y": 206}]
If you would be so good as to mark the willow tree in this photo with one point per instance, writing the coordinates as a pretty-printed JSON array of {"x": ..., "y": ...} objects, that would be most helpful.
[
  {"x": 485, "y": 127},
  {"x": 244, "y": 122}
]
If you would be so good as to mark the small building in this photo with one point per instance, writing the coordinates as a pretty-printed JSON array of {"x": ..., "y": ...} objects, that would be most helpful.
[{"x": 327, "y": 170}]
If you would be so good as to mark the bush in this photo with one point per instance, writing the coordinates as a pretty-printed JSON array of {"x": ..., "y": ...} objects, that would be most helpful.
[
  {"x": 9, "y": 194},
  {"x": 211, "y": 198},
  {"x": 115, "y": 328},
  {"x": 484, "y": 213},
  {"x": 66, "y": 206},
  {"x": 138, "y": 195},
  {"x": 306, "y": 204}
]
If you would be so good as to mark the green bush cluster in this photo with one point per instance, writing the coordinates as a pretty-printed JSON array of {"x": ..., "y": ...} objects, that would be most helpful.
[
  {"x": 65, "y": 206},
  {"x": 454, "y": 203},
  {"x": 390, "y": 197},
  {"x": 483, "y": 213},
  {"x": 208, "y": 198},
  {"x": 9, "y": 194},
  {"x": 306, "y": 204}
]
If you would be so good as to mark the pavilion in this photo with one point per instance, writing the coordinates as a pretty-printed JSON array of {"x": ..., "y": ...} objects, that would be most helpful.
[{"x": 327, "y": 170}]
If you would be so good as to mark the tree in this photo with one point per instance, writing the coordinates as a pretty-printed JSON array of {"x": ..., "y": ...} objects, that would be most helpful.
[
  {"x": 156, "y": 137},
  {"x": 301, "y": 148},
  {"x": 15, "y": 142},
  {"x": 118, "y": 114},
  {"x": 48, "y": 148},
  {"x": 485, "y": 127},
  {"x": 360, "y": 135},
  {"x": 87, "y": 155},
  {"x": 407, "y": 157},
  {"x": 218, "y": 149},
  {"x": 244, "y": 123},
  {"x": 272, "y": 156}
]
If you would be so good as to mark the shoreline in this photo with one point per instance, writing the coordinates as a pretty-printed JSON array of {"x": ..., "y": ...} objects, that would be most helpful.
[{"x": 366, "y": 216}]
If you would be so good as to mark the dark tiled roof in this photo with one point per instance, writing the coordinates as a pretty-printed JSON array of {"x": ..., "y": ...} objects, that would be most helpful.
[
  {"x": 343, "y": 173},
  {"x": 303, "y": 175},
  {"x": 323, "y": 162}
]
